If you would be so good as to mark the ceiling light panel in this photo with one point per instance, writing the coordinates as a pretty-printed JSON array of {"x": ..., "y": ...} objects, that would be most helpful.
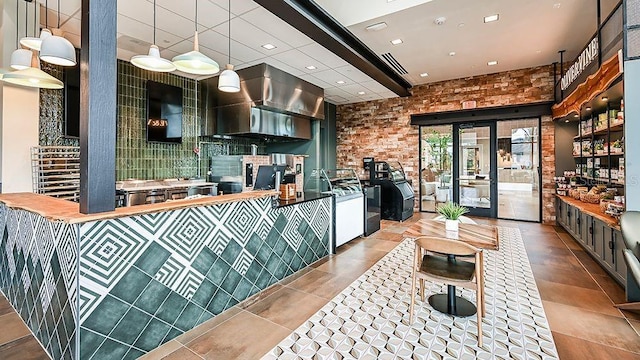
[
  {"x": 269, "y": 46},
  {"x": 491, "y": 18},
  {"x": 424, "y": 74},
  {"x": 492, "y": 63},
  {"x": 396, "y": 41},
  {"x": 377, "y": 26},
  {"x": 310, "y": 67}
]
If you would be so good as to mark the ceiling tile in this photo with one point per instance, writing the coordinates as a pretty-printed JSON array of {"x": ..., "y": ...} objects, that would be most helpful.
[
  {"x": 174, "y": 24},
  {"x": 272, "y": 25},
  {"x": 353, "y": 74},
  {"x": 323, "y": 55},
  {"x": 209, "y": 14},
  {"x": 296, "y": 59},
  {"x": 332, "y": 77},
  {"x": 315, "y": 81},
  {"x": 252, "y": 37},
  {"x": 238, "y": 7}
]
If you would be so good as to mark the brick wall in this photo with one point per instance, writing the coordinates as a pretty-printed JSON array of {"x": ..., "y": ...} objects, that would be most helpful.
[{"x": 382, "y": 129}]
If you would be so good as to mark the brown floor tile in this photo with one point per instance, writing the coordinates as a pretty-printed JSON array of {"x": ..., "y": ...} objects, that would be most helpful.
[
  {"x": 183, "y": 353},
  {"x": 343, "y": 266},
  {"x": 613, "y": 290},
  {"x": 556, "y": 259},
  {"x": 5, "y": 307},
  {"x": 12, "y": 328},
  {"x": 386, "y": 235},
  {"x": 552, "y": 274},
  {"x": 162, "y": 351},
  {"x": 322, "y": 284},
  {"x": 570, "y": 242},
  {"x": 588, "y": 299},
  {"x": 379, "y": 244},
  {"x": 25, "y": 348},
  {"x": 570, "y": 347},
  {"x": 364, "y": 253},
  {"x": 247, "y": 337},
  {"x": 587, "y": 261},
  {"x": 208, "y": 325},
  {"x": 278, "y": 307},
  {"x": 587, "y": 325},
  {"x": 635, "y": 324}
]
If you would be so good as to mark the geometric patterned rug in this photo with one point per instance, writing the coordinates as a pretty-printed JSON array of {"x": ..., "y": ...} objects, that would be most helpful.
[{"x": 370, "y": 318}]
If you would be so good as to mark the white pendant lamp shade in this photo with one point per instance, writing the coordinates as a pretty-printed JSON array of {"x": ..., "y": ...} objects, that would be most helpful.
[
  {"x": 33, "y": 77},
  {"x": 153, "y": 61},
  {"x": 21, "y": 59},
  {"x": 229, "y": 80},
  {"x": 195, "y": 62},
  {"x": 58, "y": 50},
  {"x": 35, "y": 43}
]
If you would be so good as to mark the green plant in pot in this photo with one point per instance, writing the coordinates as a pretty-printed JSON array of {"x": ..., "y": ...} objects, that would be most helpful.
[{"x": 452, "y": 212}]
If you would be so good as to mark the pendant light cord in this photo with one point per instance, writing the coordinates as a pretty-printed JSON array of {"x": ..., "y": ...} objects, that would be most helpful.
[
  {"x": 229, "y": 31},
  {"x": 58, "y": 14},
  {"x": 196, "y": 17},
  {"x": 17, "y": 19},
  {"x": 154, "y": 22},
  {"x": 46, "y": 13}
]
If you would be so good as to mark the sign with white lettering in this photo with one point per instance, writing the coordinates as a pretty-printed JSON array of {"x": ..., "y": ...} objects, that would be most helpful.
[{"x": 581, "y": 63}]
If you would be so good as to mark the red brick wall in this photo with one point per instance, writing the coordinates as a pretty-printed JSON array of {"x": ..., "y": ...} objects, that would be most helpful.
[{"x": 382, "y": 129}]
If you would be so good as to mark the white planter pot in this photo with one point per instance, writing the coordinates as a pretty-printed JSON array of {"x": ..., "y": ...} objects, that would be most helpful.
[{"x": 451, "y": 225}]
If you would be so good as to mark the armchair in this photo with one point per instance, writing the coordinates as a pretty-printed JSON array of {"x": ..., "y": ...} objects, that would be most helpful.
[{"x": 630, "y": 226}]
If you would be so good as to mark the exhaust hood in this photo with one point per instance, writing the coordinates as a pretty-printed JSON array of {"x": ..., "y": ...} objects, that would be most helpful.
[{"x": 271, "y": 103}]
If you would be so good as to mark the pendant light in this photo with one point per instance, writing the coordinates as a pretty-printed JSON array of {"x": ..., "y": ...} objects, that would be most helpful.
[
  {"x": 228, "y": 81},
  {"x": 195, "y": 62},
  {"x": 32, "y": 77},
  {"x": 58, "y": 50},
  {"x": 21, "y": 58},
  {"x": 35, "y": 43},
  {"x": 153, "y": 61}
]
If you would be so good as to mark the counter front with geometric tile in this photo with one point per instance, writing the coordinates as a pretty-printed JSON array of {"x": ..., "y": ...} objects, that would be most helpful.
[{"x": 120, "y": 287}]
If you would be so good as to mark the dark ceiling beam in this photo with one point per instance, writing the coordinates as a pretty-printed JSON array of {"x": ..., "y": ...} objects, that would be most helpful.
[{"x": 316, "y": 23}]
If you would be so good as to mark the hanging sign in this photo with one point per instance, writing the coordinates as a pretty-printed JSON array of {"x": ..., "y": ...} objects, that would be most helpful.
[{"x": 581, "y": 63}]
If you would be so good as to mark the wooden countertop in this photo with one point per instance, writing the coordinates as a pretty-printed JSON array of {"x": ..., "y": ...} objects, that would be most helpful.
[
  {"x": 480, "y": 236},
  {"x": 591, "y": 209},
  {"x": 55, "y": 209}
]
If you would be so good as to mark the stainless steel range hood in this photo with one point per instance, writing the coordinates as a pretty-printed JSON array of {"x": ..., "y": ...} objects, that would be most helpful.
[{"x": 271, "y": 103}]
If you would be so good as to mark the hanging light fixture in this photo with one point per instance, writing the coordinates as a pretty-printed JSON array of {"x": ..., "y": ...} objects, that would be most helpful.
[
  {"x": 195, "y": 62},
  {"x": 32, "y": 77},
  {"x": 153, "y": 61},
  {"x": 21, "y": 58},
  {"x": 35, "y": 43},
  {"x": 58, "y": 50},
  {"x": 228, "y": 81}
]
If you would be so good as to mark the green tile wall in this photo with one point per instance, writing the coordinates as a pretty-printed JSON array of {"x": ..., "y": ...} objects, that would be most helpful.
[{"x": 135, "y": 157}]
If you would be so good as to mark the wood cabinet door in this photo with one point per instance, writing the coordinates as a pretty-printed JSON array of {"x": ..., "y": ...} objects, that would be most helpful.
[{"x": 620, "y": 266}]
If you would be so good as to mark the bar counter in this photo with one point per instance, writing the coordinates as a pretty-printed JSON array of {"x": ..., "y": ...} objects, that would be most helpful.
[{"x": 118, "y": 284}]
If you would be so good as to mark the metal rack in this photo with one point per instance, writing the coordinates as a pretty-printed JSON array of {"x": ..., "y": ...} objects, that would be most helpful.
[{"x": 56, "y": 171}]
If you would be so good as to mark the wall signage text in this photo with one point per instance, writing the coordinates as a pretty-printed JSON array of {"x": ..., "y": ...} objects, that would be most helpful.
[{"x": 585, "y": 58}]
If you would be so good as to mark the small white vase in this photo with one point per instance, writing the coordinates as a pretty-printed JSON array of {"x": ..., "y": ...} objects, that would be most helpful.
[{"x": 451, "y": 225}]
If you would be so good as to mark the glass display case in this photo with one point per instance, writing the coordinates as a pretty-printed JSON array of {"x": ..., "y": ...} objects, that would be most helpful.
[
  {"x": 340, "y": 182},
  {"x": 390, "y": 170}
]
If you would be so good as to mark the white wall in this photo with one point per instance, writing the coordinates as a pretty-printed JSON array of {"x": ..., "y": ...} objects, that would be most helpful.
[{"x": 20, "y": 114}]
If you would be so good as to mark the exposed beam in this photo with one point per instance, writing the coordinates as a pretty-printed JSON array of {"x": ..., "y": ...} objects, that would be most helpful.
[
  {"x": 98, "y": 81},
  {"x": 313, "y": 21}
]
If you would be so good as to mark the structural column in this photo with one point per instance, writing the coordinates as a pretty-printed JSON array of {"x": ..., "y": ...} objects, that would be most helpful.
[
  {"x": 631, "y": 103},
  {"x": 98, "y": 108}
]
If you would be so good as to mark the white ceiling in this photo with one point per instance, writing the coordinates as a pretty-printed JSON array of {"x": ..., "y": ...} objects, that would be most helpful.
[{"x": 529, "y": 33}]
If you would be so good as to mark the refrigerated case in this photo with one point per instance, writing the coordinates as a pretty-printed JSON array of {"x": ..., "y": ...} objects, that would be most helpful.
[
  {"x": 348, "y": 200},
  {"x": 372, "y": 209},
  {"x": 396, "y": 192}
]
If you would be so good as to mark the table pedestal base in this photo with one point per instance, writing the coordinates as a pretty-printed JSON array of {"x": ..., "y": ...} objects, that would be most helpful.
[{"x": 461, "y": 306}]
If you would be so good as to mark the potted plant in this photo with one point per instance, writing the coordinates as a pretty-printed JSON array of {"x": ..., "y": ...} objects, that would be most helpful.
[{"x": 451, "y": 213}]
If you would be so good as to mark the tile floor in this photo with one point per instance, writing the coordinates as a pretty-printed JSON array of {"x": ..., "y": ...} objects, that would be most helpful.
[{"x": 578, "y": 298}]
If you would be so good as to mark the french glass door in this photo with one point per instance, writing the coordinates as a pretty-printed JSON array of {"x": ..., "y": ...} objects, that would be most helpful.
[{"x": 475, "y": 168}]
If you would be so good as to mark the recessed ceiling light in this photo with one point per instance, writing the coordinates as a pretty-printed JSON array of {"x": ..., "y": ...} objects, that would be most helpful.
[
  {"x": 340, "y": 82},
  {"x": 453, "y": 53},
  {"x": 493, "y": 62},
  {"x": 604, "y": 98},
  {"x": 269, "y": 46},
  {"x": 311, "y": 67},
  {"x": 491, "y": 18},
  {"x": 557, "y": 5},
  {"x": 440, "y": 21},
  {"x": 461, "y": 25},
  {"x": 361, "y": 92},
  {"x": 396, "y": 41},
  {"x": 566, "y": 120},
  {"x": 588, "y": 108},
  {"x": 377, "y": 26},
  {"x": 575, "y": 116},
  {"x": 424, "y": 74}
]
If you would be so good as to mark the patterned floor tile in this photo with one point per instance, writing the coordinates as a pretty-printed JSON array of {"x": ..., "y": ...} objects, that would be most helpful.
[{"x": 369, "y": 319}]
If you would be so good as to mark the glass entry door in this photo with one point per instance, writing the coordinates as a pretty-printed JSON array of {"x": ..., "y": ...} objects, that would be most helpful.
[{"x": 475, "y": 173}]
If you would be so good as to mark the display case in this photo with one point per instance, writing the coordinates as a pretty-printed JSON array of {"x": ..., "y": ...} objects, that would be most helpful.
[
  {"x": 348, "y": 200},
  {"x": 397, "y": 194},
  {"x": 339, "y": 182}
]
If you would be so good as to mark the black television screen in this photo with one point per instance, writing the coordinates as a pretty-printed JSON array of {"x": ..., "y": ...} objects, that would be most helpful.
[
  {"x": 72, "y": 101},
  {"x": 164, "y": 113}
]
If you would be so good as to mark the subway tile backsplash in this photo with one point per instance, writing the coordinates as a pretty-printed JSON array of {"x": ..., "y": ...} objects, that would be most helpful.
[{"x": 135, "y": 157}]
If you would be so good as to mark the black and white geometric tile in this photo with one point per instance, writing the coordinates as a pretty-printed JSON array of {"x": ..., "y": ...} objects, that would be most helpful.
[
  {"x": 38, "y": 276},
  {"x": 369, "y": 319},
  {"x": 164, "y": 274}
]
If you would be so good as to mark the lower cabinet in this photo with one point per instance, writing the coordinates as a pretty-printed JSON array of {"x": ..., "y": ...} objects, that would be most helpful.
[{"x": 603, "y": 242}]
